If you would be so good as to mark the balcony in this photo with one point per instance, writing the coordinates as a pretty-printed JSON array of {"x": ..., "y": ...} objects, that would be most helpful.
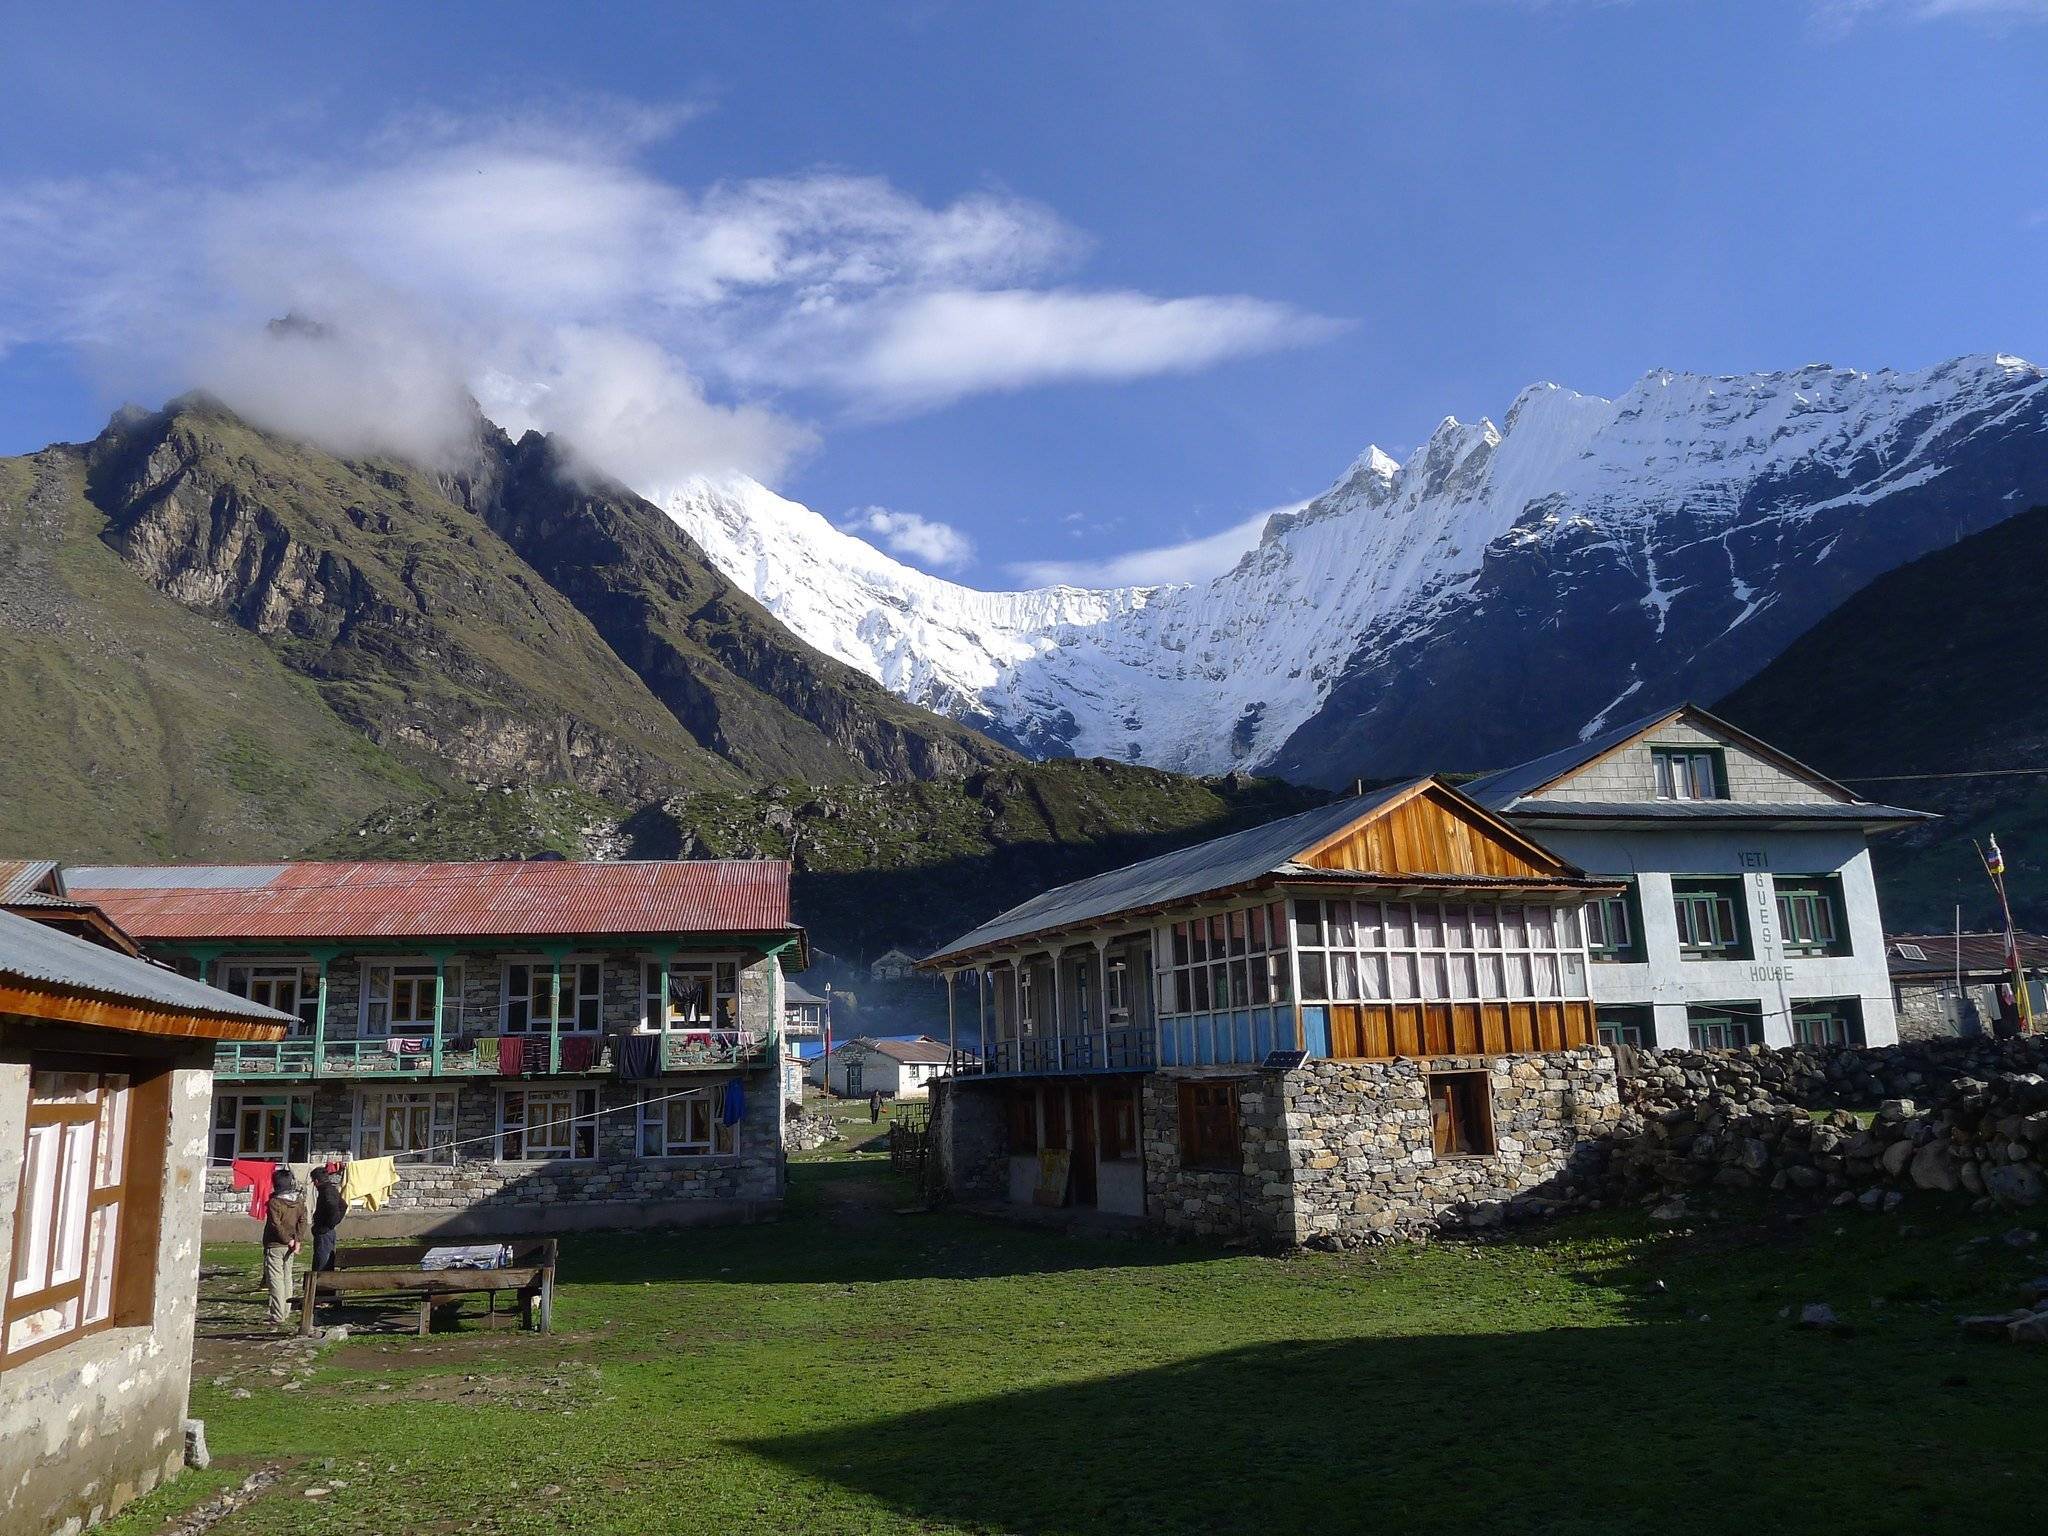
[
  {"x": 569, "y": 1054},
  {"x": 1126, "y": 1048}
]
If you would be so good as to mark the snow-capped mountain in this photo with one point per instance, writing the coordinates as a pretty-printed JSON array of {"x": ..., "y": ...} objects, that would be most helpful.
[{"x": 1502, "y": 589}]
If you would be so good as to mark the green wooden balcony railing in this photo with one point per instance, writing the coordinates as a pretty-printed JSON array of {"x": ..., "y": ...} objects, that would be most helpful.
[{"x": 430, "y": 1056}]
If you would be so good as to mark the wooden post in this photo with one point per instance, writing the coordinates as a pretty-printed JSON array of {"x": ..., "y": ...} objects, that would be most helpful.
[
  {"x": 306, "y": 1303},
  {"x": 325, "y": 958},
  {"x": 981, "y": 1009},
  {"x": 555, "y": 1012},
  {"x": 952, "y": 1029},
  {"x": 1102, "y": 1001},
  {"x": 1058, "y": 1012},
  {"x": 440, "y": 1006},
  {"x": 662, "y": 1046}
]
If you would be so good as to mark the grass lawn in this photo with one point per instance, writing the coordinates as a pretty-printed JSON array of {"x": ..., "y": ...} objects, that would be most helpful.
[{"x": 854, "y": 1370}]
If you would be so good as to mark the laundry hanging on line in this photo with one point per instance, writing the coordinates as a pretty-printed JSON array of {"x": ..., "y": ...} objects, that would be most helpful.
[
  {"x": 259, "y": 1178},
  {"x": 369, "y": 1180}
]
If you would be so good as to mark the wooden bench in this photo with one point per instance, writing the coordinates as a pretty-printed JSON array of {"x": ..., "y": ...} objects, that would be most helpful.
[{"x": 393, "y": 1269}]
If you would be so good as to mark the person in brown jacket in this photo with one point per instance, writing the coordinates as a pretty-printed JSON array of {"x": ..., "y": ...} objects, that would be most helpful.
[{"x": 287, "y": 1226}]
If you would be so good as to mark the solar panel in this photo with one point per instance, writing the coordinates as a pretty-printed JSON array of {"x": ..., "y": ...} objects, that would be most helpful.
[{"x": 1911, "y": 952}]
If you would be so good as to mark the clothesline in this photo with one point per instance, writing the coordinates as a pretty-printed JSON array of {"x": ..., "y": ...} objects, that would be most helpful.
[{"x": 528, "y": 1130}]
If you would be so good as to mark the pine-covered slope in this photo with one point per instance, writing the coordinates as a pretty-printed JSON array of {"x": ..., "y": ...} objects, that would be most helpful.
[
  {"x": 236, "y": 643},
  {"x": 1934, "y": 668},
  {"x": 1584, "y": 557}
]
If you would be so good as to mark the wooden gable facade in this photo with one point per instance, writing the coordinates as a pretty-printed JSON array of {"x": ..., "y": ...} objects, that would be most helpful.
[{"x": 1430, "y": 839}]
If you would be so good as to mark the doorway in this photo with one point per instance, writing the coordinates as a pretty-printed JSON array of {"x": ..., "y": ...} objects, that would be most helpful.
[{"x": 1081, "y": 1116}]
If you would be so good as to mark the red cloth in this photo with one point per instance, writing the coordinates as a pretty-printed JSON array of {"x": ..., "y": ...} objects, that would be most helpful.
[
  {"x": 257, "y": 1177},
  {"x": 511, "y": 1056},
  {"x": 578, "y": 1052}
]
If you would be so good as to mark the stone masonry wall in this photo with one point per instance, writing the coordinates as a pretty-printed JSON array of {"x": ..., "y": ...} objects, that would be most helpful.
[
  {"x": 1344, "y": 1151},
  {"x": 971, "y": 1138}
]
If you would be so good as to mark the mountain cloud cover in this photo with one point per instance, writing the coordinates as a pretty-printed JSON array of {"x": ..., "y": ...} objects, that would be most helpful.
[{"x": 546, "y": 271}]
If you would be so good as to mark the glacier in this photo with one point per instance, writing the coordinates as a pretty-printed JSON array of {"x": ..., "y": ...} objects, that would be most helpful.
[{"x": 1218, "y": 675}]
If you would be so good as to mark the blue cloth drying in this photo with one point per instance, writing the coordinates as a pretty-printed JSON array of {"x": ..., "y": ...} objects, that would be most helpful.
[
  {"x": 735, "y": 1103},
  {"x": 639, "y": 1056}
]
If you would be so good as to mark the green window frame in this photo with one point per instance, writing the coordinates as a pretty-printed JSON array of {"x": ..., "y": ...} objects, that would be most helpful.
[
  {"x": 1613, "y": 931},
  {"x": 1709, "y": 915},
  {"x": 1723, "y": 1029},
  {"x": 1827, "y": 1021},
  {"x": 1690, "y": 773},
  {"x": 1627, "y": 1025},
  {"x": 1810, "y": 920}
]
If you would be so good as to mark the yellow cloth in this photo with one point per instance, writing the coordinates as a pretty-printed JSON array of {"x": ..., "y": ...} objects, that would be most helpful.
[{"x": 369, "y": 1180}]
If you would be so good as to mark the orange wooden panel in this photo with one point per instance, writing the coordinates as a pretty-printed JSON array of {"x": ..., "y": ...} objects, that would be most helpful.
[
  {"x": 1436, "y": 1029},
  {"x": 1466, "y": 1039},
  {"x": 1408, "y": 1029},
  {"x": 1345, "y": 1040},
  {"x": 1493, "y": 1027},
  {"x": 1521, "y": 1027},
  {"x": 1430, "y": 834},
  {"x": 1578, "y": 1025}
]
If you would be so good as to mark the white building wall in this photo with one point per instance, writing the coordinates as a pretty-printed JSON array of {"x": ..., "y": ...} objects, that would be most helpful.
[{"x": 1770, "y": 980}]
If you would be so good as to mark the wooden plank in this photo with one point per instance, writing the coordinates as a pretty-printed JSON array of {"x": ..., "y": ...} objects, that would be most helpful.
[
  {"x": 1493, "y": 1028},
  {"x": 1436, "y": 1029},
  {"x": 439, "y": 1281},
  {"x": 1408, "y": 1029},
  {"x": 1579, "y": 1029},
  {"x": 1521, "y": 1027}
]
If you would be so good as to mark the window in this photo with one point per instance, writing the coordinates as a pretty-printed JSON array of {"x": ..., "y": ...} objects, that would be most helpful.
[
  {"x": 1461, "y": 1113},
  {"x": 1626, "y": 1026},
  {"x": 1235, "y": 959},
  {"x": 1209, "y": 1136},
  {"x": 538, "y": 1124},
  {"x": 1117, "y": 991},
  {"x": 398, "y": 998},
  {"x": 1709, "y": 916},
  {"x": 85, "y": 1217},
  {"x": 702, "y": 994},
  {"x": 406, "y": 1120},
  {"x": 289, "y": 987},
  {"x": 268, "y": 1127},
  {"x": 1399, "y": 951},
  {"x": 1118, "y": 1129},
  {"x": 1610, "y": 928},
  {"x": 1027, "y": 1014},
  {"x": 1690, "y": 773},
  {"x": 528, "y": 1001},
  {"x": 1809, "y": 916},
  {"x": 686, "y": 1126},
  {"x": 1833, "y": 1021},
  {"x": 1723, "y": 1029}
]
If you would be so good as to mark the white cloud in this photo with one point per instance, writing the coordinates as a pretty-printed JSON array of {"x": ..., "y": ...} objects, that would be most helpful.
[
  {"x": 1192, "y": 560},
  {"x": 664, "y": 330},
  {"x": 914, "y": 538},
  {"x": 1844, "y": 14}
]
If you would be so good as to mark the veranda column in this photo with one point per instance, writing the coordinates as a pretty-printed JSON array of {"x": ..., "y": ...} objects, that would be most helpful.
[
  {"x": 1102, "y": 1001},
  {"x": 440, "y": 1003}
]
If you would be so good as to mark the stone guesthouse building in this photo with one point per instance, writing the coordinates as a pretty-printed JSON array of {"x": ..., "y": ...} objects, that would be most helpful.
[
  {"x": 1946, "y": 985},
  {"x": 542, "y": 1046},
  {"x": 1342, "y": 1022},
  {"x": 1746, "y": 912},
  {"x": 105, "y": 1072}
]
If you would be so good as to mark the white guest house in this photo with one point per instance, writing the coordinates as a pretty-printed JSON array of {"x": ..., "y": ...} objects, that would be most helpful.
[{"x": 1748, "y": 916}]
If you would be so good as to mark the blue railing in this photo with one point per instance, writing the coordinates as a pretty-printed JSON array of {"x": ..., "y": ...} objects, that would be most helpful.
[{"x": 1127, "y": 1048}]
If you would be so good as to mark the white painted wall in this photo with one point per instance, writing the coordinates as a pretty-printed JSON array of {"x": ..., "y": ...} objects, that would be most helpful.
[{"x": 1772, "y": 980}]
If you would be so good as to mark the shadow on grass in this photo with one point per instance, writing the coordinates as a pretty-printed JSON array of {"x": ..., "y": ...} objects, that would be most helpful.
[{"x": 1658, "y": 1427}]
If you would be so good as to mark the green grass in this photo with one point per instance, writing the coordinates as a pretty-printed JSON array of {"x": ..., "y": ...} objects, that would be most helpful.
[{"x": 853, "y": 1370}]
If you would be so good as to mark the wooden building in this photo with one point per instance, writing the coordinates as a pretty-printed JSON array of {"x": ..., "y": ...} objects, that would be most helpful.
[{"x": 1409, "y": 925}]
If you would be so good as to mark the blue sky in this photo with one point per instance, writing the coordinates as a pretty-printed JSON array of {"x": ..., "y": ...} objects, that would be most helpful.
[{"x": 1018, "y": 286}]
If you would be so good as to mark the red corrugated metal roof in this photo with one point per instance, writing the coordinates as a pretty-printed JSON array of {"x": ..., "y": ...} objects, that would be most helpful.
[{"x": 399, "y": 900}]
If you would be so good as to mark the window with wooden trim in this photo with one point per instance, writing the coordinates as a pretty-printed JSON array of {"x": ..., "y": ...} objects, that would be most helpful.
[
  {"x": 1117, "y": 990},
  {"x": 1461, "y": 1113},
  {"x": 528, "y": 999},
  {"x": 85, "y": 1218},
  {"x": 1709, "y": 917},
  {"x": 417, "y": 1120},
  {"x": 1235, "y": 959},
  {"x": 1401, "y": 951},
  {"x": 685, "y": 1125},
  {"x": 702, "y": 995},
  {"x": 1611, "y": 928},
  {"x": 398, "y": 998},
  {"x": 1690, "y": 773},
  {"x": 547, "y": 1124},
  {"x": 289, "y": 986},
  {"x": 1810, "y": 915},
  {"x": 263, "y": 1127},
  {"x": 1827, "y": 1021},
  {"x": 1727, "y": 1028},
  {"x": 1209, "y": 1133},
  {"x": 1117, "y": 1112}
]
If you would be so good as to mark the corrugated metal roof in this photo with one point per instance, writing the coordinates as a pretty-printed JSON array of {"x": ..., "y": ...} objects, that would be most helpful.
[
  {"x": 23, "y": 880},
  {"x": 32, "y": 952},
  {"x": 797, "y": 994},
  {"x": 922, "y": 1049},
  {"x": 1182, "y": 875},
  {"x": 1709, "y": 810},
  {"x": 1981, "y": 952},
  {"x": 390, "y": 900},
  {"x": 1497, "y": 791}
]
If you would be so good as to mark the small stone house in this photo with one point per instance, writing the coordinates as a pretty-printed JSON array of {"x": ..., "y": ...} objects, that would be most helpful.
[
  {"x": 106, "y": 1066},
  {"x": 1946, "y": 985},
  {"x": 542, "y": 1046},
  {"x": 1346, "y": 1022},
  {"x": 894, "y": 965},
  {"x": 897, "y": 1069}
]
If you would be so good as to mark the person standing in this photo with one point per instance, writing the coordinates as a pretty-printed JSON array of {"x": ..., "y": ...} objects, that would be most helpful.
[
  {"x": 286, "y": 1226},
  {"x": 328, "y": 1209},
  {"x": 875, "y": 1107}
]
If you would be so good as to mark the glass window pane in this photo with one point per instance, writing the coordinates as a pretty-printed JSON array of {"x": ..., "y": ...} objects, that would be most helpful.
[
  {"x": 1237, "y": 933},
  {"x": 1343, "y": 933},
  {"x": 1429, "y": 928},
  {"x": 1513, "y": 935},
  {"x": 1343, "y": 977},
  {"x": 1518, "y": 976},
  {"x": 1400, "y": 924},
  {"x": 1257, "y": 917},
  {"x": 1542, "y": 930},
  {"x": 1401, "y": 976},
  {"x": 1546, "y": 975},
  {"x": 1308, "y": 924},
  {"x": 1315, "y": 981},
  {"x": 1372, "y": 977},
  {"x": 1457, "y": 926},
  {"x": 1464, "y": 982},
  {"x": 1180, "y": 943},
  {"x": 1372, "y": 927},
  {"x": 1486, "y": 927},
  {"x": 1492, "y": 978},
  {"x": 1433, "y": 980}
]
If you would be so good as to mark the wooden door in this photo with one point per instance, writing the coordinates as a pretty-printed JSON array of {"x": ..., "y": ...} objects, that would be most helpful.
[{"x": 1081, "y": 1116}]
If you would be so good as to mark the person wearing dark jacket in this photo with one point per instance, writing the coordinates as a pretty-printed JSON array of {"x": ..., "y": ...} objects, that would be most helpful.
[
  {"x": 286, "y": 1226},
  {"x": 328, "y": 1209}
]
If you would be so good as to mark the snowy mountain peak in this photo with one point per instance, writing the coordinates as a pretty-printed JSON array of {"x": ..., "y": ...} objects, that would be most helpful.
[{"x": 1222, "y": 673}]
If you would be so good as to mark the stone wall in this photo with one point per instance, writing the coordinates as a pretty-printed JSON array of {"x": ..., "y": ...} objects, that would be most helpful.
[
  {"x": 1344, "y": 1151},
  {"x": 1928, "y": 1010},
  {"x": 471, "y": 1192},
  {"x": 1968, "y": 1116},
  {"x": 99, "y": 1421},
  {"x": 970, "y": 1138}
]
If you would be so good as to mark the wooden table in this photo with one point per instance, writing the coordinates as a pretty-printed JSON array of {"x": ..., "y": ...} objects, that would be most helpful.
[{"x": 393, "y": 1269}]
